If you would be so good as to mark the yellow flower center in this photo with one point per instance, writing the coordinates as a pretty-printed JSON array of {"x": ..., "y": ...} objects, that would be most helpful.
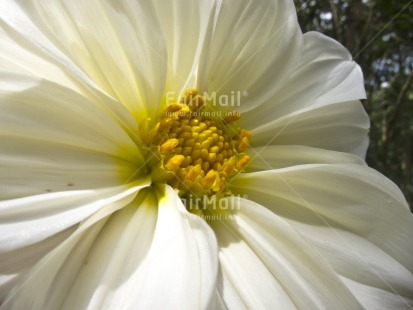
[{"x": 194, "y": 149}]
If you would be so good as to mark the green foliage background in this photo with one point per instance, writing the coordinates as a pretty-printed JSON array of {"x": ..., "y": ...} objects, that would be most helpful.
[{"x": 379, "y": 35}]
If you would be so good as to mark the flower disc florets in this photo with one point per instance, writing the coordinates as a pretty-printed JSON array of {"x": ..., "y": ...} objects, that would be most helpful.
[{"x": 194, "y": 150}]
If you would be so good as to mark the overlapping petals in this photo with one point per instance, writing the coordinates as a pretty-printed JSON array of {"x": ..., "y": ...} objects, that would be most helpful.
[
  {"x": 318, "y": 105},
  {"x": 253, "y": 236},
  {"x": 354, "y": 217},
  {"x": 116, "y": 259}
]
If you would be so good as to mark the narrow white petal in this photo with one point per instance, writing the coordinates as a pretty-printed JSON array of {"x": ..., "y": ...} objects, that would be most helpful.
[
  {"x": 282, "y": 156},
  {"x": 245, "y": 282},
  {"x": 363, "y": 262},
  {"x": 251, "y": 47},
  {"x": 375, "y": 298},
  {"x": 183, "y": 24},
  {"x": 31, "y": 167},
  {"x": 17, "y": 260},
  {"x": 24, "y": 49},
  {"x": 340, "y": 127},
  {"x": 356, "y": 219},
  {"x": 105, "y": 279},
  {"x": 46, "y": 111},
  {"x": 318, "y": 106},
  {"x": 181, "y": 266}
]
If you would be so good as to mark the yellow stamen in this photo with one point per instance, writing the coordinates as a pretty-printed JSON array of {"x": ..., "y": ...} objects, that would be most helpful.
[
  {"x": 151, "y": 134},
  {"x": 173, "y": 107},
  {"x": 243, "y": 145},
  {"x": 209, "y": 180},
  {"x": 193, "y": 173},
  {"x": 229, "y": 166},
  {"x": 243, "y": 162},
  {"x": 175, "y": 162},
  {"x": 169, "y": 145}
]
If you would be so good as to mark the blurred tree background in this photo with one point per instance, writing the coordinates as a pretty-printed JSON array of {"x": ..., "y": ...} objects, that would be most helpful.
[{"x": 379, "y": 35}]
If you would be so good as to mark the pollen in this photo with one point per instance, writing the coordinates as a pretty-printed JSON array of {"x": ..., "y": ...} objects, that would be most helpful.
[{"x": 194, "y": 150}]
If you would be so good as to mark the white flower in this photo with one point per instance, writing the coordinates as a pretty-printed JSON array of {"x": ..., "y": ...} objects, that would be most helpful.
[{"x": 87, "y": 220}]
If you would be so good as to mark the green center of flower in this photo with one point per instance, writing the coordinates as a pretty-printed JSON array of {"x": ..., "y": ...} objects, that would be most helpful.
[{"x": 195, "y": 150}]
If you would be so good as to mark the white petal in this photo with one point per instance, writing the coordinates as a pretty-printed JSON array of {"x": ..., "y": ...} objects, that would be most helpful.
[
  {"x": 266, "y": 264},
  {"x": 110, "y": 41},
  {"x": 357, "y": 219},
  {"x": 324, "y": 75},
  {"x": 39, "y": 105},
  {"x": 54, "y": 139},
  {"x": 318, "y": 105},
  {"x": 375, "y": 298},
  {"x": 183, "y": 25},
  {"x": 29, "y": 294},
  {"x": 30, "y": 167},
  {"x": 251, "y": 47},
  {"x": 105, "y": 278},
  {"x": 136, "y": 258},
  {"x": 364, "y": 264},
  {"x": 15, "y": 261},
  {"x": 281, "y": 156},
  {"x": 24, "y": 49},
  {"x": 182, "y": 264},
  {"x": 31, "y": 226},
  {"x": 340, "y": 127}
]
